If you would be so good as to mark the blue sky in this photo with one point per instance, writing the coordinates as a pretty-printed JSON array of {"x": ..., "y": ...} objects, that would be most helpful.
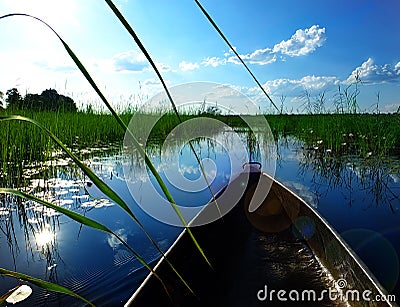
[{"x": 291, "y": 46}]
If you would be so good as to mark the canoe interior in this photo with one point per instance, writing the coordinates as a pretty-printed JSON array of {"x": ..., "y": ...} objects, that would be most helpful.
[{"x": 283, "y": 245}]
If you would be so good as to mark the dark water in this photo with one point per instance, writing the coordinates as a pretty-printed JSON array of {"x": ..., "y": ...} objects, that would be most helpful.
[
  {"x": 358, "y": 197},
  {"x": 360, "y": 201}
]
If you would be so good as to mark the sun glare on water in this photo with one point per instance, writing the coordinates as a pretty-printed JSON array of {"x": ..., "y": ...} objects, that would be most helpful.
[{"x": 44, "y": 237}]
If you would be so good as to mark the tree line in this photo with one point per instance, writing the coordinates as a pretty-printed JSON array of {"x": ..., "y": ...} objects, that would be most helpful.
[{"x": 48, "y": 100}]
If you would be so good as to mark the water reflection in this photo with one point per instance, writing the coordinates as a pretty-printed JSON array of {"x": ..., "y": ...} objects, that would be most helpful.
[
  {"x": 44, "y": 237},
  {"x": 376, "y": 176},
  {"x": 353, "y": 193},
  {"x": 45, "y": 244},
  {"x": 385, "y": 262}
]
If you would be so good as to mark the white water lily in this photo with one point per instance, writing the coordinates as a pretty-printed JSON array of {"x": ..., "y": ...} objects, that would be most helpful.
[{"x": 19, "y": 294}]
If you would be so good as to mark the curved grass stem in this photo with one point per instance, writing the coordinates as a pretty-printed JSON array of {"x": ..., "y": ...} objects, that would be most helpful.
[
  {"x": 235, "y": 52},
  {"x": 134, "y": 140}
]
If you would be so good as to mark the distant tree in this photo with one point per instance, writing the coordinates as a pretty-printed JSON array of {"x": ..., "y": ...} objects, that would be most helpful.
[
  {"x": 32, "y": 101},
  {"x": 13, "y": 99},
  {"x": 53, "y": 101},
  {"x": 67, "y": 104},
  {"x": 48, "y": 100}
]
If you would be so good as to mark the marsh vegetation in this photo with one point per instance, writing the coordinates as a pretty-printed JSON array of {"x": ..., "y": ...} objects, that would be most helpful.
[{"x": 343, "y": 151}]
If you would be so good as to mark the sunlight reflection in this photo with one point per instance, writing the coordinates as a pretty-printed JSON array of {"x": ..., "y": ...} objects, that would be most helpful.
[{"x": 44, "y": 237}]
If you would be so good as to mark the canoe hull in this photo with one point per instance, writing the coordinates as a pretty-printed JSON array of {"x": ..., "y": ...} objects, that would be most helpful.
[{"x": 282, "y": 245}]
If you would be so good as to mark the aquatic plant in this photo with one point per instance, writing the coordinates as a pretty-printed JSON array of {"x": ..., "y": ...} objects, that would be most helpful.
[
  {"x": 99, "y": 183},
  {"x": 343, "y": 133},
  {"x": 313, "y": 131}
]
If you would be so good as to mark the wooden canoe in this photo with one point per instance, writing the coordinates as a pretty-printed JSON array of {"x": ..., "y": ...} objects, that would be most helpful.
[{"x": 284, "y": 245}]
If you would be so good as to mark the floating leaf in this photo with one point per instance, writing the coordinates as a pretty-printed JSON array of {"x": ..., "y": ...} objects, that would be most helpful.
[
  {"x": 20, "y": 294},
  {"x": 40, "y": 283}
]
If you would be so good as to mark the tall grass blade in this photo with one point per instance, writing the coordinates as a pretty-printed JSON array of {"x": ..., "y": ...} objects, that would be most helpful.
[
  {"x": 109, "y": 192},
  {"x": 144, "y": 50},
  {"x": 80, "y": 219},
  {"x": 40, "y": 283},
  {"x": 102, "y": 186},
  {"x": 5, "y": 296},
  {"x": 125, "y": 127},
  {"x": 153, "y": 65},
  {"x": 75, "y": 216},
  {"x": 235, "y": 52}
]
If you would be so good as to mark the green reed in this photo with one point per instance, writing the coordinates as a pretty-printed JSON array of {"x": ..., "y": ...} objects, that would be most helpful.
[
  {"x": 21, "y": 143},
  {"x": 374, "y": 134},
  {"x": 97, "y": 181}
]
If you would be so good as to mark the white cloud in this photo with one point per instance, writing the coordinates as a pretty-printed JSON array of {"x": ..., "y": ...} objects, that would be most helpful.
[
  {"x": 371, "y": 73},
  {"x": 152, "y": 86},
  {"x": 35, "y": 70},
  {"x": 163, "y": 67},
  {"x": 303, "y": 191},
  {"x": 292, "y": 91},
  {"x": 185, "y": 66},
  {"x": 397, "y": 68},
  {"x": 302, "y": 42},
  {"x": 292, "y": 87},
  {"x": 151, "y": 82},
  {"x": 234, "y": 60},
  {"x": 56, "y": 62},
  {"x": 230, "y": 52},
  {"x": 213, "y": 61},
  {"x": 318, "y": 82},
  {"x": 120, "y": 3},
  {"x": 130, "y": 61},
  {"x": 209, "y": 61},
  {"x": 391, "y": 108},
  {"x": 260, "y": 57}
]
